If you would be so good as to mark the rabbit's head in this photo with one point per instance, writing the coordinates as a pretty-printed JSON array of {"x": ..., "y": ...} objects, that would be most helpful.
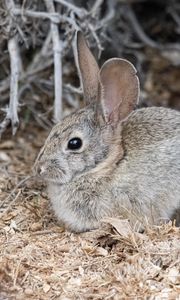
[{"x": 84, "y": 139}]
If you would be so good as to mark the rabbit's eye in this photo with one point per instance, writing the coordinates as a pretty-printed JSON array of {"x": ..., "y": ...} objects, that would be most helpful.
[{"x": 75, "y": 143}]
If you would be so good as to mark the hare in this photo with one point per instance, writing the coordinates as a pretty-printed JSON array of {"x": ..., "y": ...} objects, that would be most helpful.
[{"x": 109, "y": 159}]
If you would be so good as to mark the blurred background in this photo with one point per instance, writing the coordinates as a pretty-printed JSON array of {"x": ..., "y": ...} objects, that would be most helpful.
[{"x": 38, "y": 77}]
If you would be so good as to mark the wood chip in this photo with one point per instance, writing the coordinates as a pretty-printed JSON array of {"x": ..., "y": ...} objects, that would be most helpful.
[{"x": 46, "y": 287}]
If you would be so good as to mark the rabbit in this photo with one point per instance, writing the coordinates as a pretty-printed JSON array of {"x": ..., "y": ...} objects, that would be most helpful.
[{"x": 110, "y": 159}]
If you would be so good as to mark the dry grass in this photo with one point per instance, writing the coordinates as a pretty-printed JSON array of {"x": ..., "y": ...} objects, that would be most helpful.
[{"x": 40, "y": 260}]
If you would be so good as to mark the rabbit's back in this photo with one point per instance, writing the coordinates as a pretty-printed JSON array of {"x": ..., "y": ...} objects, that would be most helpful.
[
  {"x": 149, "y": 174},
  {"x": 147, "y": 126}
]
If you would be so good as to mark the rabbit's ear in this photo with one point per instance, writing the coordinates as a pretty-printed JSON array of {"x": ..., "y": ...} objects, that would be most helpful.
[
  {"x": 88, "y": 69},
  {"x": 119, "y": 89}
]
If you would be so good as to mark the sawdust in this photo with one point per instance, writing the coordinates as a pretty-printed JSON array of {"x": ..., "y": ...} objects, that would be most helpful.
[{"x": 40, "y": 260}]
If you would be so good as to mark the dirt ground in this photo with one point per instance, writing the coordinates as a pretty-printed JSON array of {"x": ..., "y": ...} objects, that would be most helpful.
[{"x": 41, "y": 260}]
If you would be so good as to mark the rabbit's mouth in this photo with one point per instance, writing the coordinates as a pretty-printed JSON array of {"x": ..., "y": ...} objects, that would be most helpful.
[
  {"x": 55, "y": 176},
  {"x": 50, "y": 180},
  {"x": 51, "y": 175}
]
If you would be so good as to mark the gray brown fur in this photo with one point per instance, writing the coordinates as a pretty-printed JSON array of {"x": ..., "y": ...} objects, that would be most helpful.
[{"x": 129, "y": 164}]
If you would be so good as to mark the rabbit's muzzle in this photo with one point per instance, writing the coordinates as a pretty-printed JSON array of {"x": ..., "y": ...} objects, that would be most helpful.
[
  {"x": 51, "y": 170},
  {"x": 40, "y": 168}
]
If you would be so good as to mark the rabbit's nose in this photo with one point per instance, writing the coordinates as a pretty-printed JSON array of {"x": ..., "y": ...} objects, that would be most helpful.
[{"x": 39, "y": 169}]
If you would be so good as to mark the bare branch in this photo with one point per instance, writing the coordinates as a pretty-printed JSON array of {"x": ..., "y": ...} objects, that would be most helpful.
[
  {"x": 109, "y": 16},
  {"x": 175, "y": 16},
  {"x": 143, "y": 37},
  {"x": 41, "y": 54},
  {"x": 12, "y": 112},
  {"x": 57, "y": 48},
  {"x": 95, "y": 7},
  {"x": 35, "y": 26},
  {"x": 16, "y": 67},
  {"x": 54, "y": 17},
  {"x": 30, "y": 75},
  {"x": 80, "y": 12},
  {"x": 100, "y": 48},
  {"x": 74, "y": 89}
]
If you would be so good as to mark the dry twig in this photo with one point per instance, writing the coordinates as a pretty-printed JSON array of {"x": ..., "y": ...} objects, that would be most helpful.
[
  {"x": 15, "y": 188},
  {"x": 57, "y": 48},
  {"x": 146, "y": 39},
  {"x": 12, "y": 110},
  {"x": 72, "y": 18},
  {"x": 80, "y": 12},
  {"x": 26, "y": 26}
]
